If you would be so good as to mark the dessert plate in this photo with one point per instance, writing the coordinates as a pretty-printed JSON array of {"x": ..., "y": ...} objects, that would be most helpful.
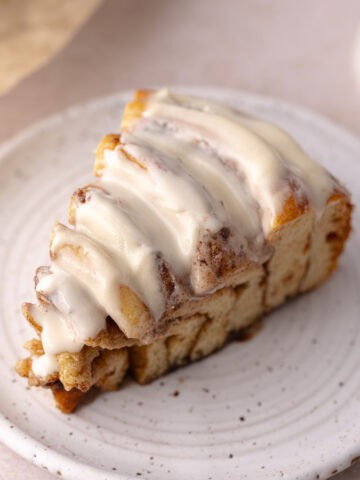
[{"x": 284, "y": 405}]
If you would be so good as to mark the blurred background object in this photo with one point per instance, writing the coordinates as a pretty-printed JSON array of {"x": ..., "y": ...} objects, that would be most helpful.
[
  {"x": 31, "y": 31},
  {"x": 302, "y": 52}
]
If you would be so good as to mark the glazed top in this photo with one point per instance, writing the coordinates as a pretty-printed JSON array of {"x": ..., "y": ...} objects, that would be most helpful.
[{"x": 188, "y": 173}]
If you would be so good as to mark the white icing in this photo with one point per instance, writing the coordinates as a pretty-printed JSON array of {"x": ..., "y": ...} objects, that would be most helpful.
[
  {"x": 233, "y": 141},
  {"x": 172, "y": 198},
  {"x": 80, "y": 310},
  {"x": 232, "y": 205},
  {"x": 91, "y": 265},
  {"x": 315, "y": 180},
  {"x": 132, "y": 254},
  {"x": 45, "y": 365},
  {"x": 57, "y": 334},
  {"x": 185, "y": 170}
]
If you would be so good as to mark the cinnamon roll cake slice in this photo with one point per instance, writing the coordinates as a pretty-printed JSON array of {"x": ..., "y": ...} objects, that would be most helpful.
[{"x": 201, "y": 219}]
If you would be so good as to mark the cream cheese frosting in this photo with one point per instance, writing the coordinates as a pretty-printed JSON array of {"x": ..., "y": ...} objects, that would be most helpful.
[{"x": 185, "y": 172}]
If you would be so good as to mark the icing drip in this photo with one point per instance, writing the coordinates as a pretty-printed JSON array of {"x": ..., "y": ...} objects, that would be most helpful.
[
  {"x": 79, "y": 310},
  {"x": 45, "y": 365}
]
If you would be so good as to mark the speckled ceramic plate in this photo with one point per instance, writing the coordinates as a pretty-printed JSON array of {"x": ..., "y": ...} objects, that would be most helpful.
[{"x": 284, "y": 405}]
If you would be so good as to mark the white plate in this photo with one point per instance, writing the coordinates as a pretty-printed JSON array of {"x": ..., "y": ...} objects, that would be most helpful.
[{"x": 285, "y": 405}]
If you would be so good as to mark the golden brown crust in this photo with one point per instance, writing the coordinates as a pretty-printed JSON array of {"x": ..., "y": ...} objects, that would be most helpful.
[
  {"x": 292, "y": 209},
  {"x": 109, "y": 142},
  {"x": 134, "y": 109},
  {"x": 26, "y": 308},
  {"x": 67, "y": 401}
]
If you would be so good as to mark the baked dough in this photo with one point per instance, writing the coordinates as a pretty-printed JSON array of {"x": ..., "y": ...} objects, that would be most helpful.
[{"x": 202, "y": 220}]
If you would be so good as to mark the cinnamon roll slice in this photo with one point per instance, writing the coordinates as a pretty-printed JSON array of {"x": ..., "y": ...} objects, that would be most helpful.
[{"x": 200, "y": 220}]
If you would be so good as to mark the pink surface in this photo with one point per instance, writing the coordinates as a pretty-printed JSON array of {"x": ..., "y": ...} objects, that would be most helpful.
[{"x": 299, "y": 51}]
